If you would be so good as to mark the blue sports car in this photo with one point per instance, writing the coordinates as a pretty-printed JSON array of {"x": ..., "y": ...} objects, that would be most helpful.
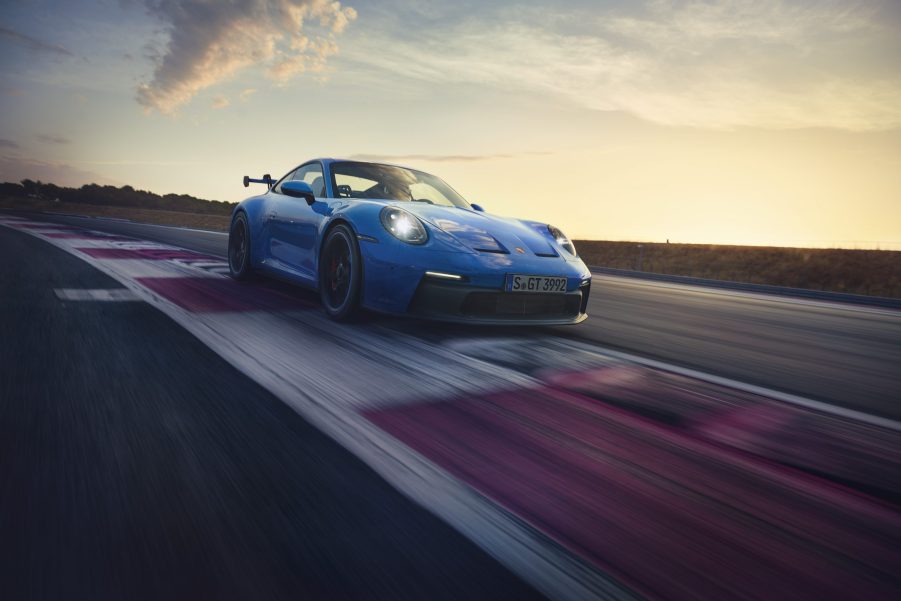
[{"x": 397, "y": 240}]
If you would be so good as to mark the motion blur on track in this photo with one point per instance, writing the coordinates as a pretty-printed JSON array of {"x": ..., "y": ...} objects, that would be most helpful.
[{"x": 163, "y": 438}]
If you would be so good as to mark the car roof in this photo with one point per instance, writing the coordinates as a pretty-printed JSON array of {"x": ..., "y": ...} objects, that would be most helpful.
[{"x": 330, "y": 160}]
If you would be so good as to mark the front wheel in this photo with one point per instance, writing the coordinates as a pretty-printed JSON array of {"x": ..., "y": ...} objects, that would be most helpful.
[
  {"x": 239, "y": 249},
  {"x": 340, "y": 272}
]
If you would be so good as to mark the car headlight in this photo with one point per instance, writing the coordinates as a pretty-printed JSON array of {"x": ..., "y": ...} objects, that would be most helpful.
[
  {"x": 561, "y": 239},
  {"x": 403, "y": 226}
]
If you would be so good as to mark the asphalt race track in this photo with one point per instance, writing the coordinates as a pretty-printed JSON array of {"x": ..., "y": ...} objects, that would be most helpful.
[
  {"x": 166, "y": 433},
  {"x": 127, "y": 444}
]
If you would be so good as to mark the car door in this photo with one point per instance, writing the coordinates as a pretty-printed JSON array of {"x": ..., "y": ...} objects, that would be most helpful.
[{"x": 295, "y": 223}]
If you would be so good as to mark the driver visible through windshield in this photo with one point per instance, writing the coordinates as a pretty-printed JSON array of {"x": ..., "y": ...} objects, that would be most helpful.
[{"x": 387, "y": 182}]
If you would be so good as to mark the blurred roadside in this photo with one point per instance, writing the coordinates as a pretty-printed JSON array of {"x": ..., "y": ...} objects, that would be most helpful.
[
  {"x": 852, "y": 271},
  {"x": 155, "y": 216}
]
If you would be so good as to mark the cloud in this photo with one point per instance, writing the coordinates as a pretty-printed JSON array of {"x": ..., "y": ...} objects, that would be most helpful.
[
  {"x": 220, "y": 102},
  {"x": 734, "y": 63},
  {"x": 210, "y": 42},
  {"x": 52, "y": 139},
  {"x": 33, "y": 43},
  {"x": 4, "y": 143},
  {"x": 246, "y": 93}
]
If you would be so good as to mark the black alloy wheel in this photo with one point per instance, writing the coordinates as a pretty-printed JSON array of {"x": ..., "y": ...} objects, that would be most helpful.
[{"x": 339, "y": 274}]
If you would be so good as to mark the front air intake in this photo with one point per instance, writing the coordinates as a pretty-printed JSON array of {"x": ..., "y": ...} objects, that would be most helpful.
[{"x": 492, "y": 304}]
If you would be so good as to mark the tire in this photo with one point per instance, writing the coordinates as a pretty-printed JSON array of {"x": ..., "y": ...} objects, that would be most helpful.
[
  {"x": 340, "y": 274},
  {"x": 239, "y": 249}
]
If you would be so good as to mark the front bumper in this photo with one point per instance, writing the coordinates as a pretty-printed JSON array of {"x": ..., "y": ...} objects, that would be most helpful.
[
  {"x": 395, "y": 281},
  {"x": 461, "y": 302}
]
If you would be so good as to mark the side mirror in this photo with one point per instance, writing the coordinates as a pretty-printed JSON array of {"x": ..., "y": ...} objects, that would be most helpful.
[
  {"x": 476, "y": 207},
  {"x": 299, "y": 189}
]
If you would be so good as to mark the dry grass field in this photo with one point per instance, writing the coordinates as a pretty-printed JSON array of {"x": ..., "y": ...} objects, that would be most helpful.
[
  {"x": 871, "y": 272},
  {"x": 176, "y": 218}
]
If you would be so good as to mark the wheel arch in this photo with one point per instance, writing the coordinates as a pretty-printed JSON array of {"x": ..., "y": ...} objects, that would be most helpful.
[
  {"x": 239, "y": 210},
  {"x": 328, "y": 227}
]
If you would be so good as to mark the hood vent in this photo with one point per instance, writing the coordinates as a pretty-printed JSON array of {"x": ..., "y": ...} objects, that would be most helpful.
[
  {"x": 472, "y": 230},
  {"x": 474, "y": 237}
]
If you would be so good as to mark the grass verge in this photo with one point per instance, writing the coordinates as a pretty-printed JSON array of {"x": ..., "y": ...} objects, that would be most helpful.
[
  {"x": 869, "y": 272},
  {"x": 159, "y": 217}
]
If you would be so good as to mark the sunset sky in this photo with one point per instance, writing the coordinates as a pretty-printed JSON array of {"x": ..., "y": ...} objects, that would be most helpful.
[{"x": 748, "y": 122}]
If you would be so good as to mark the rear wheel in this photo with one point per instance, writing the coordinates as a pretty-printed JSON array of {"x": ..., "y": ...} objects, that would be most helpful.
[
  {"x": 239, "y": 249},
  {"x": 340, "y": 272}
]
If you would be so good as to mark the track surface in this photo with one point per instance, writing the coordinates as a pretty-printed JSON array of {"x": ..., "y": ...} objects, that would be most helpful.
[
  {"x": 587, "y": 472},
  {"x": 137, "y": 464},
  {"x": 840, "y": 354}
]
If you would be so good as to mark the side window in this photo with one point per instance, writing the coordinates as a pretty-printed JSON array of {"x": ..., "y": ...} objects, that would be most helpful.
[{"x": 312, "y": 174}]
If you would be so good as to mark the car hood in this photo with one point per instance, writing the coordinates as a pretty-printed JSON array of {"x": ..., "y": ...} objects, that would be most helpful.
[{"x": 482, "y": 232}]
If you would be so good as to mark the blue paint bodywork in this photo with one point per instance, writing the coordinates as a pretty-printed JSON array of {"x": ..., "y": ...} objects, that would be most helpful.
[{"x": 287, "y": 233}]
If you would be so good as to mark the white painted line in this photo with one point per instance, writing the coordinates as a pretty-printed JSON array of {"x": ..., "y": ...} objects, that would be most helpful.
[
  {"x": 142, "y": 224},
  {"x": 97, "y": 294},
  {"x": 860, "y": 416},
  {"x": 177, "y": 227},
  {"x": 145, "y": 268},
  {"x": 205, "y": 264}
]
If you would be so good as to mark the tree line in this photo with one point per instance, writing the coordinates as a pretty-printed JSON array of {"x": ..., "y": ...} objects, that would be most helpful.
[{"x": 126, "y": 196}]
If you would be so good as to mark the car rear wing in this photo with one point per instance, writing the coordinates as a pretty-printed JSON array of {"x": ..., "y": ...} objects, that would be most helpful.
[{"x": 267, "y": 179}]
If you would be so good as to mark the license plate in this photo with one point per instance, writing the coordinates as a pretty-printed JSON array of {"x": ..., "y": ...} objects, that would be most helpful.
[{"x": 535, "y": 283}]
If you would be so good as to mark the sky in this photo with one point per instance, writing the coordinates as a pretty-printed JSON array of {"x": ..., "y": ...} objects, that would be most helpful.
[{"x": 767, "y": 122}]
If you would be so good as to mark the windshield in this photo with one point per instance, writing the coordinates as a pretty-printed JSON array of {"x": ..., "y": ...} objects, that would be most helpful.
[{"x": 387, "y": 182}]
